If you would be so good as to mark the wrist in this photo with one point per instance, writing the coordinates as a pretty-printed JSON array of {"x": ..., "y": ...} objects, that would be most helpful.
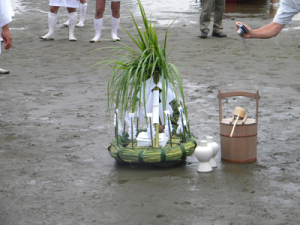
[
  {"x": 252, "y": 34},
  {"x": 5, "y": 28}
]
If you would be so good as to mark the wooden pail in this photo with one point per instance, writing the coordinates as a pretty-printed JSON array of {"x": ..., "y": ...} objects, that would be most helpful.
[{"x": 242, "y": 146}]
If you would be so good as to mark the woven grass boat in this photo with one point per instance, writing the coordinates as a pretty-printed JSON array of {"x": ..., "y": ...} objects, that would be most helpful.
[{"x": 122, "y": 151}]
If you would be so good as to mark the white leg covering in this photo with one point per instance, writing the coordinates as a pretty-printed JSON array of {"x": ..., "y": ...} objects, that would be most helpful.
[
  {"x": 52, "y": 20},
  {"x": 83, "y": 8},
  {"x": 72, "y": 21},
  {"x": 114, "y": 28},
  {"x": 98, "y": 27},
  {"x": 66, "y": 24}
]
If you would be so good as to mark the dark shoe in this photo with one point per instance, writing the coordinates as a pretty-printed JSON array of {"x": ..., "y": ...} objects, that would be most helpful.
[
  {"x": 203, "y": 35},
  {"x": 220, "y": 34}
]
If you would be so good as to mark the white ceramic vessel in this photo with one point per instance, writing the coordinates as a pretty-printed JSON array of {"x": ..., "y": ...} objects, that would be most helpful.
[
  {"x": 204, "y": 154},
  {"x": 215, "y": 147}
]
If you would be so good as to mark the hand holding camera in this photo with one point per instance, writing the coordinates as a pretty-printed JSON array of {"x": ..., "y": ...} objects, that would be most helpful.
[{"x": 243, "y": 30}]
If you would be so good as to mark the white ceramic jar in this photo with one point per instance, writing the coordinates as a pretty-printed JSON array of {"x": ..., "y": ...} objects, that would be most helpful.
[
  {"x": 215, "y": 147},
  {"x": 204, "y": 153}
]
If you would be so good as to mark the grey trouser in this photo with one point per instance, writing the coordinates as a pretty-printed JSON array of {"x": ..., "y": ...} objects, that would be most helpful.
[{"x": 205, "y": 15}]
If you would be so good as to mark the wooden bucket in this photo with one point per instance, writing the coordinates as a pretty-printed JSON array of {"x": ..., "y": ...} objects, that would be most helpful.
[{"x": 242, "y": 146}]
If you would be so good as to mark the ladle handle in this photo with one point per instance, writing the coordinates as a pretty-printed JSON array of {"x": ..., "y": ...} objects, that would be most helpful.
[
  {"x": 237, "y": 118},
  {"x": 232, "y": 119},
  {"x": 244, "y": 120}
]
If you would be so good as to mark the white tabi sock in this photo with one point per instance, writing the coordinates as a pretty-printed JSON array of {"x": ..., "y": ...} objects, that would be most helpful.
[
  {"x": 114, "y": 28},
  {"x": 66, "y": 24},
  {"x": 72, "y": 21},
  {"x": 3, "y": 71},
  {"x": 83, "y": 8},
  {"x": 52, "y": 20},
  {"x": 98, "y": 27}
]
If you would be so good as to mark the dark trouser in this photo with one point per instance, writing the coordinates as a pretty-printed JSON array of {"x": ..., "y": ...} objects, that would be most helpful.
[{"x": 205, "y": 15}]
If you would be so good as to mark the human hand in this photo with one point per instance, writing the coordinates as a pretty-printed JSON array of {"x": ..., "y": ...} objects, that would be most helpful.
[
  {"x": 244, "y": 35},
  {"x": 7, "y": 38}
]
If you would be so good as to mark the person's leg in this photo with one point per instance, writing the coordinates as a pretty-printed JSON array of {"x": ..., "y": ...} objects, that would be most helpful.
[
  {"x": 98, "y": 20},
  {"x": 115, "y": 19},
  {"x": 205, "y": 15},
  {"x": 218, "y": 18},
  {"x": 52, "y": 20},
  {"x": 72, "y": 22},
  {"x": 83, "y": 8},
  {"x": 54, "y": 9}
]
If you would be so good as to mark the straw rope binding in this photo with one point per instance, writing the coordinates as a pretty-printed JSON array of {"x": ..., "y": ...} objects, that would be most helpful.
[{"x": 179, "y": 150}]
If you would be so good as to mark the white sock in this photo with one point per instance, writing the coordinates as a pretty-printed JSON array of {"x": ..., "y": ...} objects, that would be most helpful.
[
  {"x": 72, "y": 21},
  {"x": 114, "y": 28},
  {"x": 98, "y": 27},
  {"x": 52, "y": 20},
  {"x": 66, "y": 23},
  {"x": 83, "y": 8}
]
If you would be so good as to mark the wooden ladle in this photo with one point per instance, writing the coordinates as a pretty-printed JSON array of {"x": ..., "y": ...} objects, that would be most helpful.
[{"x": 238, "y": 113}]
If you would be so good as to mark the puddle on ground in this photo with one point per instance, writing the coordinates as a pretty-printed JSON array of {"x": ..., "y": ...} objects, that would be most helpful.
[
  {"x": 252, "y": 8},
  {"x": 165, "y": 10}
]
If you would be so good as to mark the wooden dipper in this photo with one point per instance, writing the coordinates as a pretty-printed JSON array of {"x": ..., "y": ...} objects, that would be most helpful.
[{"x": 238, "y": 113}]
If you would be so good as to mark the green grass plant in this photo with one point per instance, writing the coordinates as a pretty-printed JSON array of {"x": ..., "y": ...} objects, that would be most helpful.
[{"x": 135, "y": 65}]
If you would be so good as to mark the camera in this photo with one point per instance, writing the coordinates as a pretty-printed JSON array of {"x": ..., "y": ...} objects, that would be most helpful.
[{"x": 242, "y": 29}]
